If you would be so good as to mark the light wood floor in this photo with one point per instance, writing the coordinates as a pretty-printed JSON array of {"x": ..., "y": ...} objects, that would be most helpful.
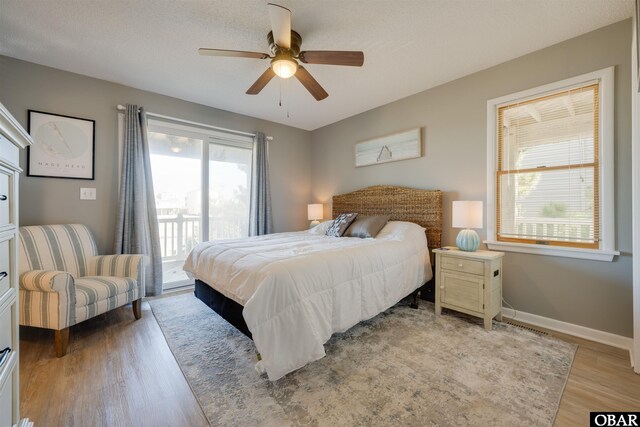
[
  {"x": 117, "y": 372},
  {"x": 120, "y": 372},
  {"x": 601, "y": 379}
]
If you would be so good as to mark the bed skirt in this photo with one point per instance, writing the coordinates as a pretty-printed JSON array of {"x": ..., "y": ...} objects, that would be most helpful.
[{"x": 227, "y": 308}]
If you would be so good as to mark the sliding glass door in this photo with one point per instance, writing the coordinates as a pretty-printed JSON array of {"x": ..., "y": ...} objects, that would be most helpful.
[
  {"x": 197, "y": 200},
  {"x": 229, "y": 191}
]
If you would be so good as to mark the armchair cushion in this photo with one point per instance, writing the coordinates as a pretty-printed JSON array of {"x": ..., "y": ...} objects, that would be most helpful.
[{"x": 91, "y": 289}]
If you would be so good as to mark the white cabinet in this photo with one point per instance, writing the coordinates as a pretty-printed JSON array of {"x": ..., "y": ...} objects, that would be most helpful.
[
  {"x": 469, "y": 282},
  {"x": 12, "y": 138}
]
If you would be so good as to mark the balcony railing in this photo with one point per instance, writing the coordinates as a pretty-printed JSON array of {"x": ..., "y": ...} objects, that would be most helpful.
[
  {"x": 180, "y": 233},
  {"x": 562, "y": 229}
]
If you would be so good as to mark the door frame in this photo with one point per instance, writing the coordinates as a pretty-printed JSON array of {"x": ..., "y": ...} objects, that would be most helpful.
[
  {"x": 635, "y": 192},
  {"x": 208, "y": 136}
]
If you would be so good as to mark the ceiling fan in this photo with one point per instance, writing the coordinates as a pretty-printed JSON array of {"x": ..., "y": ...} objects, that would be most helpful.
[{"x": 285, "y": 54}]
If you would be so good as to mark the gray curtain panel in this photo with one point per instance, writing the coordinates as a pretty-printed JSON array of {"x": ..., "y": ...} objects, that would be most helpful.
[
  {"x": 260, "y": 210},
  {"x": 137, "y": 222}
]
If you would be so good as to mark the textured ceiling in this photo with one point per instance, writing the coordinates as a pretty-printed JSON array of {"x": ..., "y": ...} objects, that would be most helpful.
[{"x": 409, "y": 46}]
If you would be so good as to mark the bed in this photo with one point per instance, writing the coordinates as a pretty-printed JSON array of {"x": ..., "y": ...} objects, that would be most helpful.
[{"x": 290, "y": 292}]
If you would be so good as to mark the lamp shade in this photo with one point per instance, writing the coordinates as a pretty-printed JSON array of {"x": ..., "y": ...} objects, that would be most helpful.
[
  {"x": 466, "y": 214},
  {"x": 315, "y": 211}
]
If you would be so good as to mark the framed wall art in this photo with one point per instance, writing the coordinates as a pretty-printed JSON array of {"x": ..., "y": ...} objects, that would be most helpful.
[
  {"x": 64, "y": 146},
  {"x": 391, "y": 148}
]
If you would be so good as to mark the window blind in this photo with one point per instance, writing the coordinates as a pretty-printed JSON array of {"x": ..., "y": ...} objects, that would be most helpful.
[{"x": 547, "y": 177}]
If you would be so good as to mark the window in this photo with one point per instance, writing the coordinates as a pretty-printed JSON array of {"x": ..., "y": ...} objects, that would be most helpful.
[
  {"x": 202, "y": 180},
  {"x": 547, "y": 176},
  {"x": 551, "y": 162}
]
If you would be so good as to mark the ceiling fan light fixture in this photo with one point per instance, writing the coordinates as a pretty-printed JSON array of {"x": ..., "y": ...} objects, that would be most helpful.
[
  {"x": 284, "y": 67},
  {"x": 284, "y": 45}
]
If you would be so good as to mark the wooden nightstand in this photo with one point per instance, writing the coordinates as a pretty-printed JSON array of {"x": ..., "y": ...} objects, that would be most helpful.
[{"x": 469, "y": 282}]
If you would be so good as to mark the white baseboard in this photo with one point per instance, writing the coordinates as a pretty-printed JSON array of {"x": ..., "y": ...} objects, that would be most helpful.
[{"x": 602, "y": 337}]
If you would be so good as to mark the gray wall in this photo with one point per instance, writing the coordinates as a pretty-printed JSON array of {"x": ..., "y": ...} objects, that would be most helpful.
[
  {"x": 25, "y": 85},
  {"x": 453, "y": 115}
]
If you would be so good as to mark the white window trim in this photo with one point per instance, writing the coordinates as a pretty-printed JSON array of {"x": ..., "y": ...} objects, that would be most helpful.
[
  {"x": 165, "y": 123},
  {"x": 201, "y": 132},
  {"x": 607, "y": 251}
]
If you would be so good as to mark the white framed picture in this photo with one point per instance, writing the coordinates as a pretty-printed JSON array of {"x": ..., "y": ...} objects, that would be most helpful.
[
  {"x": 63, "y": 146},
  {"x": 391, "y": 148}
]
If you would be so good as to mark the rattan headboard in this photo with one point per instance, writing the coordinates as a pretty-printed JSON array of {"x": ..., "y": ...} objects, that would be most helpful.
[{"x": 424, "y": 207}]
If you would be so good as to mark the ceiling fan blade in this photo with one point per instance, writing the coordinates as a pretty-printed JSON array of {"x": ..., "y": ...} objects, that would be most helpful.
[
  {"x": 280, "y": 18},
  {"x": 232, "y": 53},
  {"x": 311, "y": 84},
  {"x": 261, "y": 82},
  {"x": 333, "y": 57}
]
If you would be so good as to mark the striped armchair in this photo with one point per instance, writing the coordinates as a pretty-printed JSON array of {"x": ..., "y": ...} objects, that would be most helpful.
[{"x": 63, "y": 281}]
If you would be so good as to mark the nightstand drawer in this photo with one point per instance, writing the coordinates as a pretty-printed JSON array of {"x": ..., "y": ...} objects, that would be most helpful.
[
  {"x": 462, "y": 290},
  {"x": 462, "y": 265}
]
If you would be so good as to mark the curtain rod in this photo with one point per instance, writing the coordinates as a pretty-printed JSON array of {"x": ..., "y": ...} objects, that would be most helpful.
[{"x": 121, "y": 108}]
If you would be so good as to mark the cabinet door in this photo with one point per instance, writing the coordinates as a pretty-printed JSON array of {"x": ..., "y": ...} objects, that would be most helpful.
[
  {"x": 6, "y": 332},
  {"x": 462, "y": 290},
  {"x": 6, "y": 275},
  {"x": 6, "y": 198},
  {"x": 6, "y": 405}
]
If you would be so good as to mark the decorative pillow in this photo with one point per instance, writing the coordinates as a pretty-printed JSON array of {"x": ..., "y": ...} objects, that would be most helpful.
[
  {"x": 403, "y": 231},
  {"x": 340, "y": 224},
  {"x": 321, "y": 228},
  {"x": 366, "y": 226}
]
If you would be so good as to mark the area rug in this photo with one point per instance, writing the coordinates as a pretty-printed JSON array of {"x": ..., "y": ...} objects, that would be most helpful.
[{"x": 403, "y": 367}]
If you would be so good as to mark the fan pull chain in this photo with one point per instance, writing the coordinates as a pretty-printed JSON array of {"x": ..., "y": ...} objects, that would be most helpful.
[{"x": 280, "y": 100}]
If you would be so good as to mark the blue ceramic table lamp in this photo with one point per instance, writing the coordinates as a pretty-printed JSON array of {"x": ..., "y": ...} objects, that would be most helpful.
[{"x": 467, "y": 215}]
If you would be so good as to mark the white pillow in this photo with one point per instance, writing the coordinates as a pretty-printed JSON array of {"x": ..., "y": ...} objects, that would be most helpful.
[
  {"x": 401, "y": 230},
  {"x": 321, "y": 228}
]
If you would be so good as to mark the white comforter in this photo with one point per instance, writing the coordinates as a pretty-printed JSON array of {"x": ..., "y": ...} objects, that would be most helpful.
[{"x": 299, "y": 288}]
